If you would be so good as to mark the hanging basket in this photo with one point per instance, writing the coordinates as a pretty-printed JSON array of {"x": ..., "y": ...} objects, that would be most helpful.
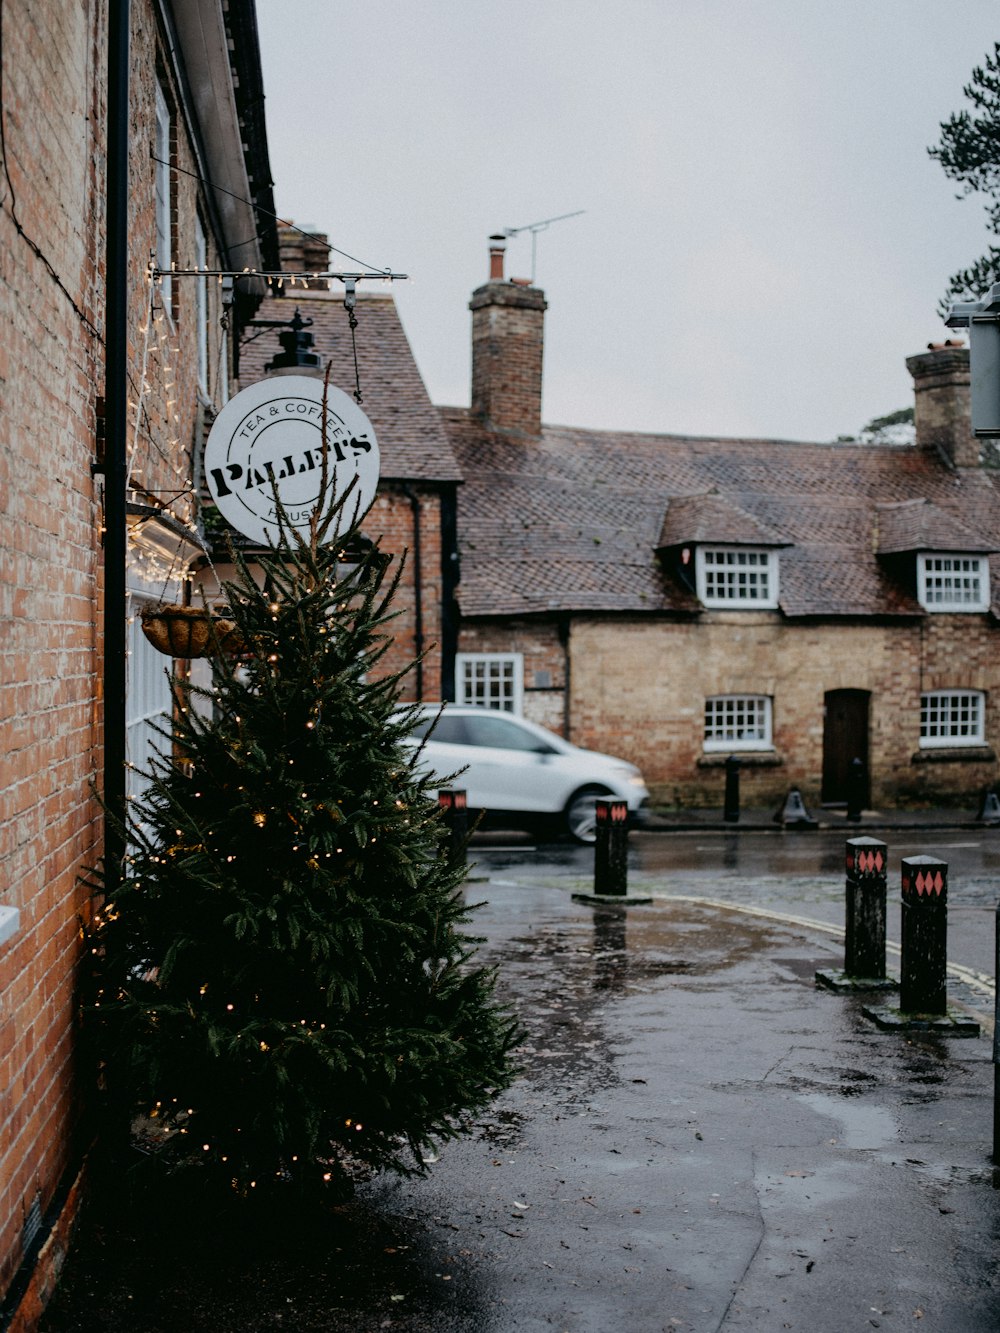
[{"x": 186, "y": 631}]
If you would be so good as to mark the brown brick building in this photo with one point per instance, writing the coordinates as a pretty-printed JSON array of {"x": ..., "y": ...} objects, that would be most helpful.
[
  {"x": 675, "y": 600},
  {"x": 67, "y": 686}
]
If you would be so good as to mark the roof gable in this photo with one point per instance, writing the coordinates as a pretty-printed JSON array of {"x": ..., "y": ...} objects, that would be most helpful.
[
  {"x": 919, "y": 525},
  {"x": 693, "y": 520},
  {"x": 412, "y": 444}
]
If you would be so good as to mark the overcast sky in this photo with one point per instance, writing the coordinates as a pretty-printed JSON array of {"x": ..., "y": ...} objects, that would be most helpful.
[{"x": 765, "y": 237}]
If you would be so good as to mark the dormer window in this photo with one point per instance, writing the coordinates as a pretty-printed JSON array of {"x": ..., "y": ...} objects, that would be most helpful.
[
  {"x": 953, "y": 582},
  {"x": 737, "y": 576}
]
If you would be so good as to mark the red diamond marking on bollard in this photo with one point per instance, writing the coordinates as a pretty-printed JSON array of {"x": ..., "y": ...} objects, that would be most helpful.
[
  {"x": 921, "y": 884},
  {"x": 938, "y": 882},
  {"x": 879, "y": 861},
  {"x": 850, "y": 861},
  {"x": 906, "y": 885}
]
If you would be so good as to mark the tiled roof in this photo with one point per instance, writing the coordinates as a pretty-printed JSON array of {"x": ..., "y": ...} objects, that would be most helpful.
[
  {"x": 918, "y": 525},
  {"x": 572, "y": 521},
  {"x": 697, "y": 519},
  {"x": 412, "y": 443}
]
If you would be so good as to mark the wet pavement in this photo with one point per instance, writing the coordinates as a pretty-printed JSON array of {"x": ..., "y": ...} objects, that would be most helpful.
[
  {"x": 795, "y": 873},
  {"x": 700, "y": 1140}
]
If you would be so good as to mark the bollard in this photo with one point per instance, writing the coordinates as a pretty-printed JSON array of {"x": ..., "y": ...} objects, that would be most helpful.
[
  {"x": 924, "y": 936},
  {"x": 864, "y": 939},
  {"x": 864, "y": 920},
  {"x": 455, "y": 818},
  {"x": 611, "y": 847},
  {"x": 989, "y": 809},
  {"x": 923, "y": 998},
  {"x": 731, "y": 805},
  {"x": 855, "y": 790}
]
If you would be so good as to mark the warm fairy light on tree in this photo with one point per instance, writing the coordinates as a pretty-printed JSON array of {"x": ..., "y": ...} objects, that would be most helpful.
[{"x": 310, "y": 999}]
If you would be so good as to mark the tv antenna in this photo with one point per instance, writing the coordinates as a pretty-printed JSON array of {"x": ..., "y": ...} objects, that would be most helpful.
[{"x": 535, "y": 228}]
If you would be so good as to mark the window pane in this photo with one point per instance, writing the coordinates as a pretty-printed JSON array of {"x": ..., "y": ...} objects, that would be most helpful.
[
  {"x": 952, "y": 717},
  {"x": 164, "y": 249},
  {"x": 450, "y": 730},
  {"x": 148, "y": 705},
  {"x": 499, "y": 733},
  {"x": 492, "y": 680},
  {"x": 954, "y": 582},
  {"x": 737, "y": 576},
  {"x": 738, "y": 721}
]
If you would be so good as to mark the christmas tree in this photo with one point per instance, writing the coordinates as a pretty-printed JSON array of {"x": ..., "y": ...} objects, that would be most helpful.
[{"x": 282, "y": 988}]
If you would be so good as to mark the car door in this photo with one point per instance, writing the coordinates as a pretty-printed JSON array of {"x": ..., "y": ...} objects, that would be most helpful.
[{"x": 510, "y": 767}]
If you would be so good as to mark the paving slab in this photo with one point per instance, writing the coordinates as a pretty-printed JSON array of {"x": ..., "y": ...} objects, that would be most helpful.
[{"x": 701, "y": 1139}]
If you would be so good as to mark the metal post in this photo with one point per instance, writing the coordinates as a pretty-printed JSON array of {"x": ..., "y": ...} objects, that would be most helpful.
[
  {"x": 731, "y": 809},
  {"x": 455, "y": 817},
  {"x": 865, "y": 895},
  {"x": 924, "y": 936},
  {"x": 855, "y": 790},
  {"x": 996, "y": 1049},
  {"x": 611, "y": 847}
]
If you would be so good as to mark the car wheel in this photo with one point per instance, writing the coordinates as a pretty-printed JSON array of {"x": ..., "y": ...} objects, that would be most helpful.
[{"x": 580, "y": 820}]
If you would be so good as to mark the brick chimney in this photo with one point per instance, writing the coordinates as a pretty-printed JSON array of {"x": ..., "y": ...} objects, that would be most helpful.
[
  {"x": 941, "y": 400},
  {"x": 304, "y": 250},
  {"x": 507, "y": 340}
]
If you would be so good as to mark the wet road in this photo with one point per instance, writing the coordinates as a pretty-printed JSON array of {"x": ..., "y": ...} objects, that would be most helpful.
[{"x": 791, "y": 873}]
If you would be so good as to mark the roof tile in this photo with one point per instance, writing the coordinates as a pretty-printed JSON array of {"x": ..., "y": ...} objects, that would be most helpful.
[
  {"x": 572, "y": 521},
  {"x": 412, "y": 443}
]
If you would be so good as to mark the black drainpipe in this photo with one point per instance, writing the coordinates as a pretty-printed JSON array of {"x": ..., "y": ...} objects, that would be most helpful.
[
  {"x": 564, "y": 625},
  {"x": 450, "y": 575},
  {"x": 116, "y": 426},
  {"x": 418, "y": 613}
]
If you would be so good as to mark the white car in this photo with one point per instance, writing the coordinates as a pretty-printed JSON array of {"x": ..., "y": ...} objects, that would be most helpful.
[{"x": 519, "y": 773}]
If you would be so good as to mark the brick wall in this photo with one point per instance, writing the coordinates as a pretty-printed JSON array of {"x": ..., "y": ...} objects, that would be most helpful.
[
  {"x": 507, "y": 338},
  {"x": 51, "y": 376},
  {"x": 391, "y": 519},
  {"x": 49, "y": 372},
  {"x": 544, "y": 657},
  {"x": 942, "y": 403}
]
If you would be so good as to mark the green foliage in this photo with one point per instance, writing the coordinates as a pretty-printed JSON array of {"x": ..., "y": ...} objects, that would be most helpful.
[
  {"x": 281, "y": 983},
  {"x": 894, "y": 428},
  {"x": 969, "y": 152}
]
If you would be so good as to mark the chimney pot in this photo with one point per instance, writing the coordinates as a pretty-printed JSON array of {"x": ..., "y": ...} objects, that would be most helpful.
[{"x": 498, "y": 244}]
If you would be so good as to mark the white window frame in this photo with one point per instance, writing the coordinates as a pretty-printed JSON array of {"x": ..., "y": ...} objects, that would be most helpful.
[
  {"x": 952, "y": 582},
  {"x": 201, "y": 304},
  {"x": 950, "y": 719},
  {"x": 740, "y": 570},
  {"x": 491, "y": 680},
  {"x": 164, "y": 195},
  {"x": 148, "y": 702},
  {"x": 728, "y": 717}
]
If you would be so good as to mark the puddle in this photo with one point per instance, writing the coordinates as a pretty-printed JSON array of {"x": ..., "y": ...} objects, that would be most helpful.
[{"x": 861, "y": 1126}]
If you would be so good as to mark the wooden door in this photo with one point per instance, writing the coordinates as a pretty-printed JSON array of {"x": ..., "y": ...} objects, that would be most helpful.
[{"x": 845, "y": 737}]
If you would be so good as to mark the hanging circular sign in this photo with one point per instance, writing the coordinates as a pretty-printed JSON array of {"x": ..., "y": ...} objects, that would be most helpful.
[{"x": 268, "y": 442}]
